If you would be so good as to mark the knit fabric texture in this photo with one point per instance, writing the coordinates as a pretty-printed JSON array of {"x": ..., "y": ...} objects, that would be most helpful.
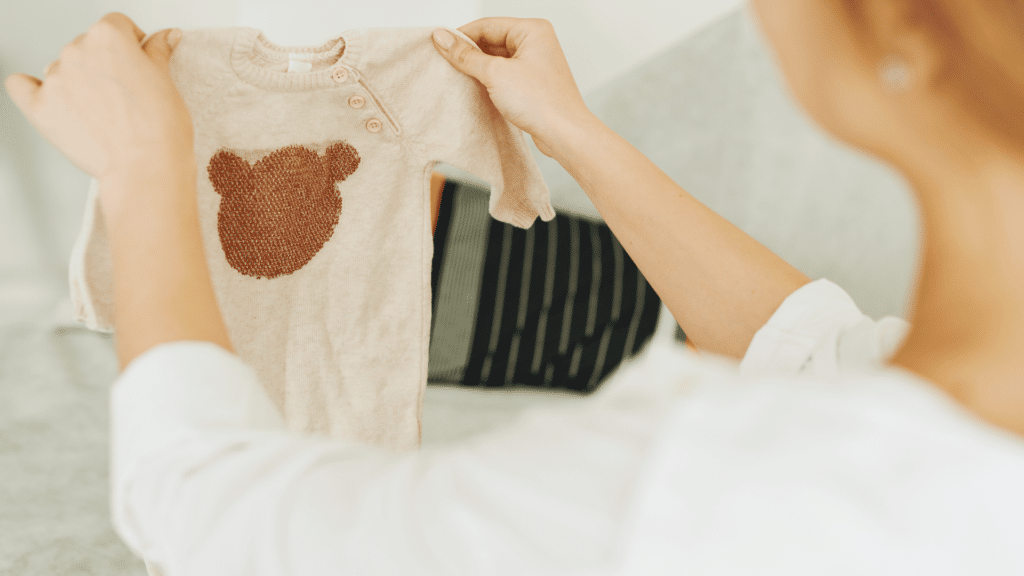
[{"x": 314, "y": 203}]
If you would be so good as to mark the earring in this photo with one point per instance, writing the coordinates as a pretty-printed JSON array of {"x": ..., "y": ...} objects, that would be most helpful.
[{"x": 896, "y": 74}]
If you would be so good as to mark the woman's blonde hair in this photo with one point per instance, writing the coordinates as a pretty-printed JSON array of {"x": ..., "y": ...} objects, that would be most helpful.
[{"x": 981, "y": 43}]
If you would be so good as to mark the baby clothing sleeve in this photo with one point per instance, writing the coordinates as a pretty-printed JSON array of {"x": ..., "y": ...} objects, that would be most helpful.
[
  {"x": 449, "y": 117},
  {"x": 818, "y": 330}
]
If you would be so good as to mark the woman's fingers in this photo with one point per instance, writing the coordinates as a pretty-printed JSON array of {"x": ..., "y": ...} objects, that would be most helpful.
[
  {"x": 493, "y": 37},
  {"x": 107, "y": 98},
  {"x": 495, "y": 50},
  {"x": 52, "y": 66},
  {"x": 159, "y": 45},
  {"x": 493, "y": 32},
  {"x": 463, "y": 56},
  {"x": 23, "y": 88},
  {"x": 521, "y": 64},
  {"x": 124, "y": 24}
]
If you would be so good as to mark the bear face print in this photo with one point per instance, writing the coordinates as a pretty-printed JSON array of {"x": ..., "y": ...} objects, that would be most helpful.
[{"x": 276, "y": 214}]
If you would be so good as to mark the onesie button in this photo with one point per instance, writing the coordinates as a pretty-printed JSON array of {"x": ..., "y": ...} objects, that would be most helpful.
[
  {"x": 356, "y": 101},
  {"x": 373, "y": 125},
  {"x": 340, "y": 75}
]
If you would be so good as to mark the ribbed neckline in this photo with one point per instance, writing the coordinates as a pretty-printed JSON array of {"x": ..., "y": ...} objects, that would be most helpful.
[{"x": 252, "y": 53}]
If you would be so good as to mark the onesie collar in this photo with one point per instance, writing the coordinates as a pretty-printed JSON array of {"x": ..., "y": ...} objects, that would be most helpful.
[{"x": 260, "y": 62}]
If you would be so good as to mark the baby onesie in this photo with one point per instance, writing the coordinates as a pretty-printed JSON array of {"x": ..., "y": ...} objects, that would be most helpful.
[{"x": 314, "y": 203}]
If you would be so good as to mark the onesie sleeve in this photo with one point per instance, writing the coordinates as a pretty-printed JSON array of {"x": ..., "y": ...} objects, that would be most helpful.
[
  {"x": 818, "y": 330},
  {"x": 449, "y": 117}
]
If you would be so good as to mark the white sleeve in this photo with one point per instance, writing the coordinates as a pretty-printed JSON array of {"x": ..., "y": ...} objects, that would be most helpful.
[
  {"x": 819, "y": 330},
  {"x": 207, "y": 480}
]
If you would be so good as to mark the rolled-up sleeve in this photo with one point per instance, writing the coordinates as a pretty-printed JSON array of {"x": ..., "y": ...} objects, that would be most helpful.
[
  {"x": 206, "y": 479},
  {"x": 818, "y": 330}
]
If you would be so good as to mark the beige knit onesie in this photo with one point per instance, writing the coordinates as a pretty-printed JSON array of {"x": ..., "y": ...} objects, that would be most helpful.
[{"x": 314, "y": 203}]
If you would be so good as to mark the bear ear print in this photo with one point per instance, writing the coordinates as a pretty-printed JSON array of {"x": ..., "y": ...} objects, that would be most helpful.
[
  {"x": 341, "y": 160},
  {"x": 292, "y": 159},
  {"x": 229, "y": 173}
]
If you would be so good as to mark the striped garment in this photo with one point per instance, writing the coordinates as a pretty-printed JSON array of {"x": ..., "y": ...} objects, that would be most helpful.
[{"x": 558, "y": 305}]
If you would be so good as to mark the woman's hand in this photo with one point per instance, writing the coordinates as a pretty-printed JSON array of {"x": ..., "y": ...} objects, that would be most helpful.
[
  {"x": 108, "y": 104},
  {"x": 522, "y": 66}
]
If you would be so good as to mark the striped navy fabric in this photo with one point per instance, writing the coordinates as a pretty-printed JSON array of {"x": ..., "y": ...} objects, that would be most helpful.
[{"x": 558, "y": 305}]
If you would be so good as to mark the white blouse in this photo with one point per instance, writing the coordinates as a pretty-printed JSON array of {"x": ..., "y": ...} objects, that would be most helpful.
[{"x": 811, "y": 458}]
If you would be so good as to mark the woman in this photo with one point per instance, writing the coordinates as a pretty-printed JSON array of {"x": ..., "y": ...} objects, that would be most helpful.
[{"x": 866, "y": 452}]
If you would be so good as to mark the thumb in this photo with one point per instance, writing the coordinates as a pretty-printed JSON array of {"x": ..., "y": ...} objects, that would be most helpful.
[
  {"x": 23, "y": 88},
  {"x": 160, "y": 45},
  {"x": 464, "y": 56}
]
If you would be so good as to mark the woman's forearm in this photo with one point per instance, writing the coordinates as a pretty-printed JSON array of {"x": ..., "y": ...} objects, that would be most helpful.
[
  {"x": 162, "y": 287},
  {"x": 720, "y": 284}
]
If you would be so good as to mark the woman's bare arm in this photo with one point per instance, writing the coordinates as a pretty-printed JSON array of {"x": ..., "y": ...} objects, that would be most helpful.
[
  {"x": 720, "y": 284},
  {"x": 162, "y": 286}
]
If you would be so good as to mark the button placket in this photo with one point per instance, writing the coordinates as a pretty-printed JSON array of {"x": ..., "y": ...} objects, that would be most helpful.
[{"x": 340, "y": 75}]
